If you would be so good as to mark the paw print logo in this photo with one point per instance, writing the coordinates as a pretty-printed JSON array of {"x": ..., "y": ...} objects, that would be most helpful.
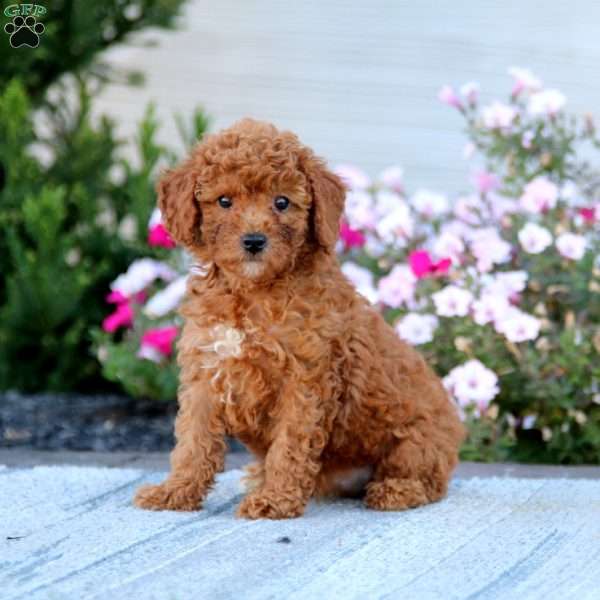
[{"x": 24, "y": 32}]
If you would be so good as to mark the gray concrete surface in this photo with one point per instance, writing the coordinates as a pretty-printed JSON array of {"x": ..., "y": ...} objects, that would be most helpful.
[
  {"x": 71, "y": 533},
  {"x": 159, "y": 461},
  {"x": 359, "y": 80}
]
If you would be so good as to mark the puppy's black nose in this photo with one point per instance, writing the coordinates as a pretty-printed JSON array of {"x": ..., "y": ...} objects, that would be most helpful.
[{"x": 254, "y": 242}]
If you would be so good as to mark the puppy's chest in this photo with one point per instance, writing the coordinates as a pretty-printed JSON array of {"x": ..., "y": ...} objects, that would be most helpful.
[{"x": 242, "y": 358}]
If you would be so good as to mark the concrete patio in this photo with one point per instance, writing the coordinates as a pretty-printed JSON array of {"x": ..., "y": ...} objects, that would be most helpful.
[{"x": 70, "y": 532}]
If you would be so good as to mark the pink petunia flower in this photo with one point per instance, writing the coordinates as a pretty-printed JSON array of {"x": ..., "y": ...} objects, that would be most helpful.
[
  {"x": 422, "y": 265},
  {"x": 352, "y": 238},
  {"x": 524, "y": 81},
  {"x": 448, "y": 96},
  {"x": 486, "y": 182},
  {"x": 159, "y": 236},
  {"x": 588, "y": 214},
  {"x": 160, "y": 339},
  {"x": 121, "y": 317},
  {"x": 116, "y": 297}
]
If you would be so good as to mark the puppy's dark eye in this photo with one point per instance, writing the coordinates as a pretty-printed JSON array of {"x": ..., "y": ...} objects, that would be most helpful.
[
  {"x": 281, "y": 203},
  {"x": 224, "y": 202}
]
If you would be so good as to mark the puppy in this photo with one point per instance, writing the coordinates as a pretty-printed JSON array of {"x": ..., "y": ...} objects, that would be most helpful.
[{"x": 280, "y": 351}]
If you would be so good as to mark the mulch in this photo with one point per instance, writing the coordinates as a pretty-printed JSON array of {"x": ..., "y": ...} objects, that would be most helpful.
[{"x": 78, "y": 422}]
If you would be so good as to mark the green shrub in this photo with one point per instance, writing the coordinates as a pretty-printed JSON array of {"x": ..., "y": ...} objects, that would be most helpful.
[{"x": 73, "y": 210}]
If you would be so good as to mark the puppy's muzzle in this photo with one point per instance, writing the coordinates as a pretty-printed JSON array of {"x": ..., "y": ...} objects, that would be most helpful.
[{"x": 254, "y": 242}]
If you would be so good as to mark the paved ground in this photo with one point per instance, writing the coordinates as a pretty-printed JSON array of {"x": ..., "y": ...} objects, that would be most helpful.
[
  {"x": 70, "y": 532},
  {"x": 159, "y": 461}
]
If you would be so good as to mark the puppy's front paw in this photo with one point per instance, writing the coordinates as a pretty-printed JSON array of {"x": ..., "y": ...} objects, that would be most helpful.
[
  {"x": 168, "y": 496},
  {"x": 262, "y": 505}
]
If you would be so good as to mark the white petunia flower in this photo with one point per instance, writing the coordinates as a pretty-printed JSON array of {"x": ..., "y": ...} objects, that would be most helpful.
[
  {"x": 470, "y": 92},
  {"x": 498, "y": 116},
  {"x": 452, "y": 301},
  {"x": 571, "y": 245},
  {"x": 140, "y": 275},
  {"x": 430, "y": 204},
  {"x": 417, "y": 329},
  {"x": 393, "y": 178},
  {"x": 506, "y": 284},
  {"x": 450, "y": 245},
  {"x": 539, "y": 195},
  {"x": 374, "y": 247},
  {"x": 398, "y": 287},
  {"x": 167, "y": 300},
  {"x": 489, "y": 248},
  {"x": 354, "y": 177},
  {"x": 490, "y": 309},
  {"x": 362, "y": 279},
  {"x": 397, "y": 224},
  {"x": 546, "y": 104},
  {"x": 466, "y": 208},
  {"x": 359, "y": 210},
  {"x": 472, "y": 385},
  {"x": 517, "y": 326},
  {"x": 534, "y": 238},
  {"x": 155, "y": 218}
]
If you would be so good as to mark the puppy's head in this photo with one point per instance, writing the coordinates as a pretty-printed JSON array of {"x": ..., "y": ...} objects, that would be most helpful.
[{"x": 252, "y": 200}]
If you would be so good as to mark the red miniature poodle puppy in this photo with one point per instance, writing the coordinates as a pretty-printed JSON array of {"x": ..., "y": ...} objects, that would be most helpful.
[{"x": 280, "y": 351}]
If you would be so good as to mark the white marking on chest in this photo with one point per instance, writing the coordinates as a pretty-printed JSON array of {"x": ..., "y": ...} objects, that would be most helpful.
[
  {"x": 217, "y": 344},
  {"x": 222, "y": 342}
]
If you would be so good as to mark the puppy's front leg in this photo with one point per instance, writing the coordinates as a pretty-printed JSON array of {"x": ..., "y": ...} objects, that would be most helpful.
[
  {"x": 292, "y": 462},
  {"x": 198, "y": 455}
]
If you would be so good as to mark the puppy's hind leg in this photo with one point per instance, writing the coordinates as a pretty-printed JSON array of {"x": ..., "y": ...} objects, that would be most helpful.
[{"x": 415, "y": 471}]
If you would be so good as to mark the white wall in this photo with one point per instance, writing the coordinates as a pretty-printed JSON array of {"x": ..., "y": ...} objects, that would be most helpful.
[{"x": 358, "y": 79}]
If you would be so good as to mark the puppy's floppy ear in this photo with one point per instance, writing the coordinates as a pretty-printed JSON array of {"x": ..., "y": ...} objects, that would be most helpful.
[
  {"x": 178, "y": 204},
  {"x": 328, "y": 194}
]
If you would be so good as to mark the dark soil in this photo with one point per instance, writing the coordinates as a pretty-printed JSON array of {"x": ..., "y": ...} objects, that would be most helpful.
[{"x": 73, "y": 422}]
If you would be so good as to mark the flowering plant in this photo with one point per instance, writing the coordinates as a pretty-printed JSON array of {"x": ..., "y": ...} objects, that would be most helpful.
[{"x": 498, "y": 287}]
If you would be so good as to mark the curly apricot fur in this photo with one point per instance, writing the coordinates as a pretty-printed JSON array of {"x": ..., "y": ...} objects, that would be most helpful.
[{"x": 322, "y": 386}]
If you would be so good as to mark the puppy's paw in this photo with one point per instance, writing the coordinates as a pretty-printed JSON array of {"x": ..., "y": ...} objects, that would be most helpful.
[
  {"x": 168, "y": 496},
  {"x": 261, "y": 505},
  {"x": 395, "y": 494}
]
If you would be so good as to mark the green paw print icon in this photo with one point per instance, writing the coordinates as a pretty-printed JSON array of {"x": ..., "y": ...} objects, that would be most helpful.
[{"x": 24, "y": 32}]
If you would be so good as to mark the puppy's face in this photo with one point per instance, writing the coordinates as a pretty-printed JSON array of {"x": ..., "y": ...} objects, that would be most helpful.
[
  {"x": 254, "y": 228},
  {"x": 251, "y": 200}
]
